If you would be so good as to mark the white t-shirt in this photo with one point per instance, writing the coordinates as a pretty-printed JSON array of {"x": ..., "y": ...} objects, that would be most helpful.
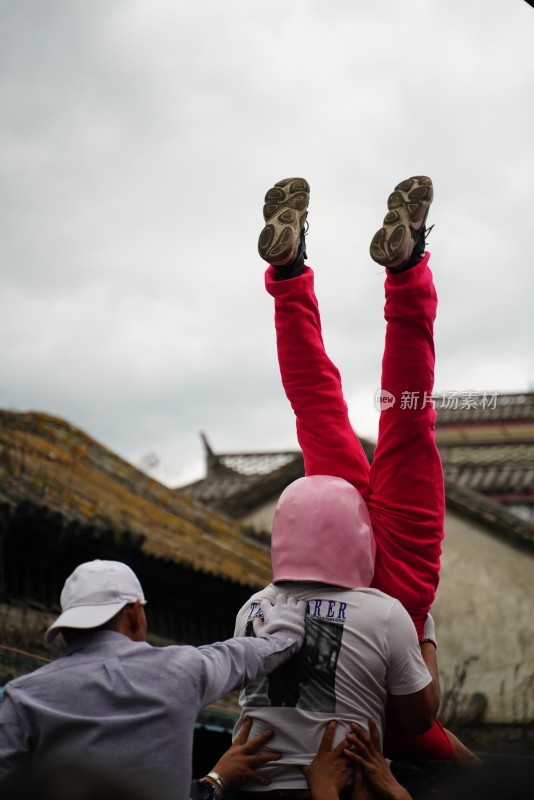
[{"x": 360, "y": 645}]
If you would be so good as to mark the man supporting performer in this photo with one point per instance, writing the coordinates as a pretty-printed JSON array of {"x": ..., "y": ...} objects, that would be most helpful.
[{"x": 119, "y": 706}]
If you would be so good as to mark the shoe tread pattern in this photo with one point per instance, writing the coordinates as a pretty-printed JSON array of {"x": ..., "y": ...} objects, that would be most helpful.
[
  {"x": 407, "y": 209},
  {"x": 284, "y": 212}
]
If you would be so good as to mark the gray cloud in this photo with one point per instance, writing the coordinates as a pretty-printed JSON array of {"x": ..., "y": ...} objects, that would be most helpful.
[{"x": 137, "y": 141}]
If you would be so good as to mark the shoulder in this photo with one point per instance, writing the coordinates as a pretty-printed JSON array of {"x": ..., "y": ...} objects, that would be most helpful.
[
  {"x": 172, "y": 654},
  {"x": 375, "y": 595},
  {"x": 25, "y": 681},
  {"x": 372, "y": 599},
  {"x": 382, "y": 602}
]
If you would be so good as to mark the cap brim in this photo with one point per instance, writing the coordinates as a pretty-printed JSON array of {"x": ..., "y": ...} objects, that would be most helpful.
[{"x": 84, "y": 618}]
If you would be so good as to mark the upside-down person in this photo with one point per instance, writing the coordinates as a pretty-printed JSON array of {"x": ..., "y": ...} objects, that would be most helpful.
[{"x": 329, "y": 524}]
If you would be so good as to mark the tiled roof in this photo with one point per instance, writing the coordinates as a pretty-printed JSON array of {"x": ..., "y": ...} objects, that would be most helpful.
[
  {"x": 234, "y": 476},
  {"x": 457, "y": 408},
  {"x": 234, "y": 493},
  {"x": 238, "y": 482},
  {"x": 476, "y": 476},
  {"x": 491, "y": 469},
  {"x": 495, "y": 454},
  {"x": 489, "y": 447},
  {"x": 47, "y": 462}
]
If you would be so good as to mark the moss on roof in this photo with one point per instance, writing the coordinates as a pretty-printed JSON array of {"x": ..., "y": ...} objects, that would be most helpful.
[{"x": 54, "y": 465}]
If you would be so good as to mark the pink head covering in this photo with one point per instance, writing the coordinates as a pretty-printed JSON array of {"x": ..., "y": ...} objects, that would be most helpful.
[{"x": 322, "y": 532}]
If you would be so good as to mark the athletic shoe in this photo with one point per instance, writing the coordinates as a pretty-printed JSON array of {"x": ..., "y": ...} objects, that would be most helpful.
[
  {"x": 284, "y": 212},
  {"x": 400, "y": 243}
]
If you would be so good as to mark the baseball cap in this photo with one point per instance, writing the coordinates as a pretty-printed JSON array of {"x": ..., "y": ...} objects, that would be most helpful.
[{"x": 94, "y": 593}]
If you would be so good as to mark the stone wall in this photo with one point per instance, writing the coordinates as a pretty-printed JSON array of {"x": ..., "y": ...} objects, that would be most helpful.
[{"x": 484, "y": 614}]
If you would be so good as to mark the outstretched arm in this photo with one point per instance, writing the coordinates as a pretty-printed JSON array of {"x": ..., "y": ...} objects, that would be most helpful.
[{"x": 229, "y": 664}]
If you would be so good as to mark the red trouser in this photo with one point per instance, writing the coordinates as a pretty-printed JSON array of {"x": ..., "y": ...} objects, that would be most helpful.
[{"x": 403, "y": 488}]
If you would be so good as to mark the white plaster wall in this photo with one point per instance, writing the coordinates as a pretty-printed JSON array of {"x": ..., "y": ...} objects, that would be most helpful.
[
  {"x": 262, "y": 518},
  {"x": 485, "y": 610}
]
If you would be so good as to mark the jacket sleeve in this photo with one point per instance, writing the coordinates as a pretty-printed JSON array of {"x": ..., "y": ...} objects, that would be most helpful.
[
  {"x": 230, "y": 664},
  {"x": 15, "y": 735}
]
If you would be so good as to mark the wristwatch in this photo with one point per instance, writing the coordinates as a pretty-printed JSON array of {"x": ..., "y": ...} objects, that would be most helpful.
[{"x": 204, "y": 790}]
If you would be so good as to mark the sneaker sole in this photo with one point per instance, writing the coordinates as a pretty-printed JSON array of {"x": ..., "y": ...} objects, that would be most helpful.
[
  {"x": 285, "y": 211},
  {"x": 408, "y": 207}
]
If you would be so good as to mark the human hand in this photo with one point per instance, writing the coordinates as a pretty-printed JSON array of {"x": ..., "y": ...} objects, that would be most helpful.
[
  {"x": 330, "y": 770},
  {"x": 368, "y": 756},
  {"x": 242, "y": 759},
  {"x": 361, "y": 789},
  {"x": 285, "y": 615}
]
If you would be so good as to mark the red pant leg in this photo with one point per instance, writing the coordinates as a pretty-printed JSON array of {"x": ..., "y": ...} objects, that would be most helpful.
[
  {"x": 407, "y": 501},
  {"x": 330, "y": 446},
  {"x": 313, "y": 385}
]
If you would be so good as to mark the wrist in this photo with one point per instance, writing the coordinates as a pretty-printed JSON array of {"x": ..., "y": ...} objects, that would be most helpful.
[
  {"x": 327, "y": 792},
  {"x": 396, "y": 792},
  {"x": 216, "y": 780},
  {"x": 322, "y": 788},
  {"x": 204, "y": 789}
]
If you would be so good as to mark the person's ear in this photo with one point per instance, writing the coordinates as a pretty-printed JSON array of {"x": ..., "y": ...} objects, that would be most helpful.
[{"x": 136, "y": 621}]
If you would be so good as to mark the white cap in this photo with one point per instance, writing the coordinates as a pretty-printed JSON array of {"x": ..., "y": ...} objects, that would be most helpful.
[{"x": 94, "y": 593}]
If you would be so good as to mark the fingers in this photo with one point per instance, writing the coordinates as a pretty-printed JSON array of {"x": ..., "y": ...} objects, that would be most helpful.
[
  {"x": 242, "y": 736},
  {"x": 289, "y": 601},
  {"x": 257, "y": 742},
  {"x": 257, "y": 777},
  {"x": 264, "y": 758},
  {"x": 375, "y": 736},
  {"x": 354, "y": 757},
  {"x": 328, "y": 737},
  {"x": 340, "y": 748},
  {"x": 359, "y": 739},
  {"x": 359, "y": 785},
  {"x": 361, "y": 735},
  {"x": 266, "y": 605},
  {"x": 359, "y": 777}
]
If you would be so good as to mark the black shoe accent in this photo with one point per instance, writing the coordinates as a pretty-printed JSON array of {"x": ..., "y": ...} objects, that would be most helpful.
[
  {"x": 399, "y": 244},
  {"x": 420, "y": 239},
  {"x": 296, "y": 267}
]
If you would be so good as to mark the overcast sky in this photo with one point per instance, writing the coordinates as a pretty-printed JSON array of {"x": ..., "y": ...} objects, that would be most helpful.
[{"x": 137, "y": 140}]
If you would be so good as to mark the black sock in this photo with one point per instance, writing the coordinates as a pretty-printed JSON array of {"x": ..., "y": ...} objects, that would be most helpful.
[{"x": 295, "y": 267}]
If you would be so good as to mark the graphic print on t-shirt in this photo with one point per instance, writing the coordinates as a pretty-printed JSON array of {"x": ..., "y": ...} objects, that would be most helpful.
[{"x": 308, "y": 680}]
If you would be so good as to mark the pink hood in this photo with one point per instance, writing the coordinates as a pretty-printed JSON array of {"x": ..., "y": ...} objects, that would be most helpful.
[{"x": 322, "y": 532}]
